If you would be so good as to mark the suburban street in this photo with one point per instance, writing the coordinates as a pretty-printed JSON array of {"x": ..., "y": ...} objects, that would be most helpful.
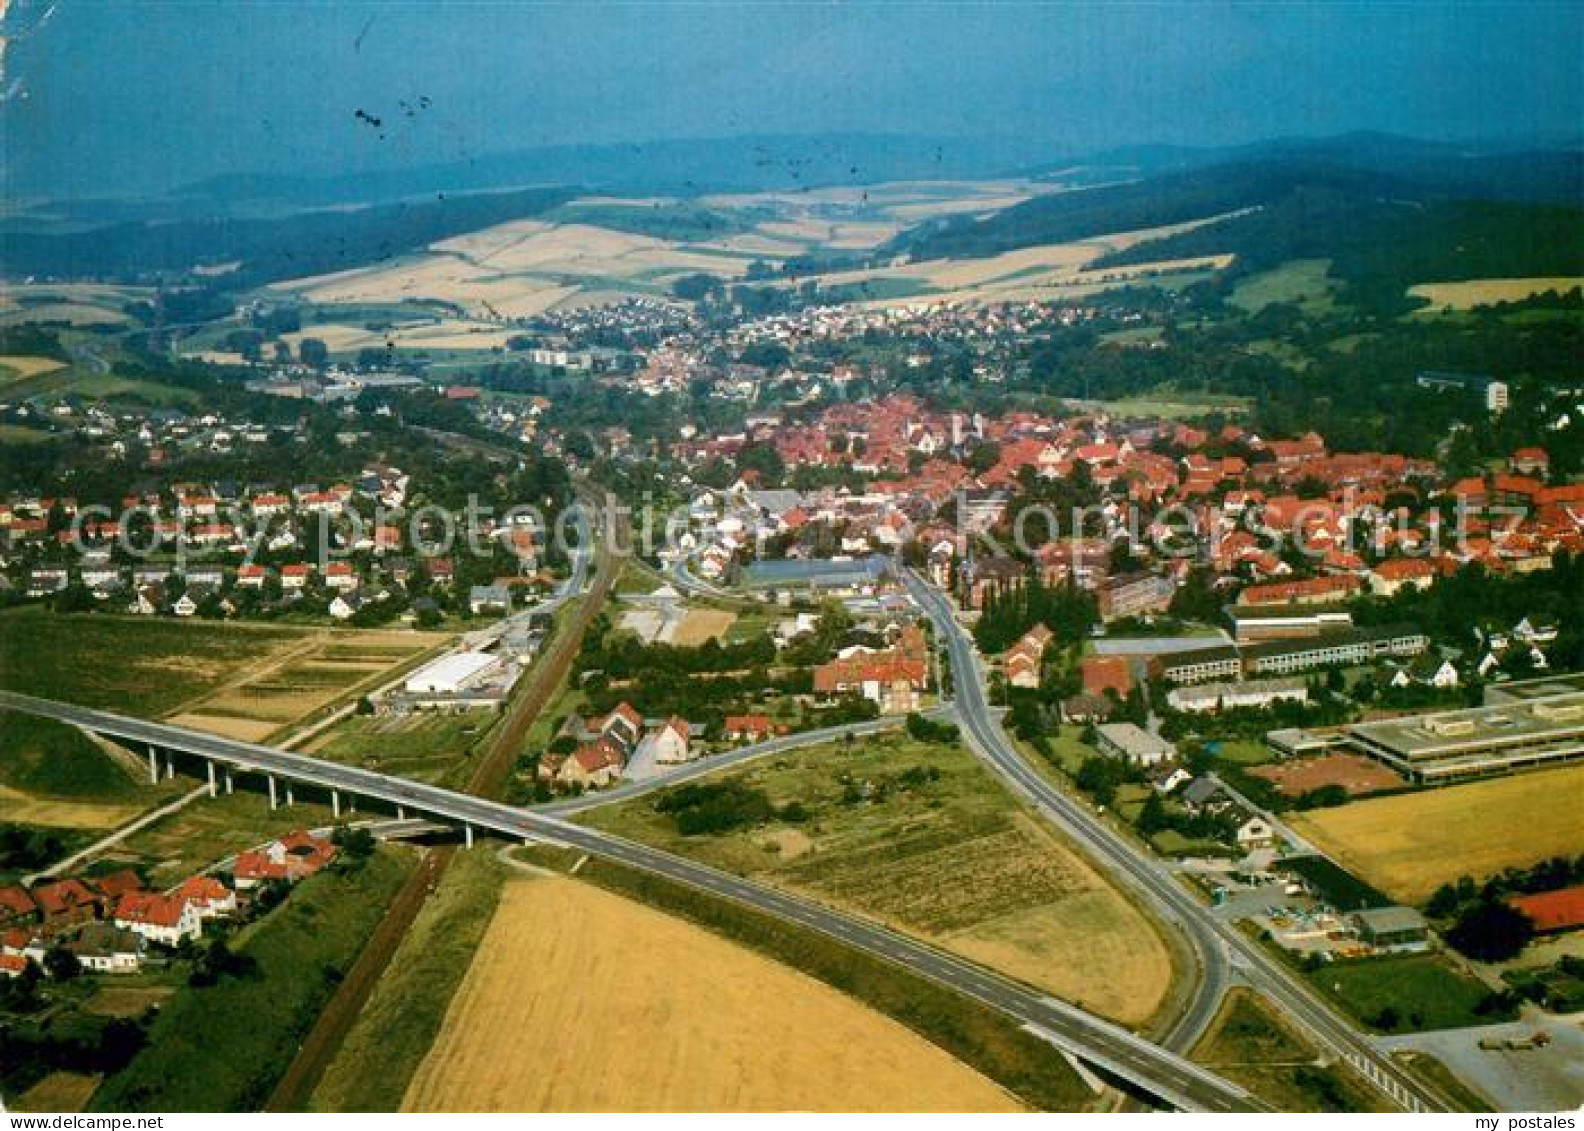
[
  {"x": 711, "y": 764},
  {"x": 1222, "y": 951},
  {"x": 1109, "y": 1047}
]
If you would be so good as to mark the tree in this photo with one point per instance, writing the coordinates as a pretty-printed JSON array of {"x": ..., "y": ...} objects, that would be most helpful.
[
  {"x": 355, "y": 844},
  {"x": 312, "y": 351},
  {"x": 61, "y": 964},
  {"x": 1491, "y": 931}
]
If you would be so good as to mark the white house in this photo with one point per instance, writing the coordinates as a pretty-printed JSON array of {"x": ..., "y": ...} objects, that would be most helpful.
[
  {"x": 671, "y": 742},
  {"x": 166, "y": 919},
  {"x": 1256, "y": 832}
]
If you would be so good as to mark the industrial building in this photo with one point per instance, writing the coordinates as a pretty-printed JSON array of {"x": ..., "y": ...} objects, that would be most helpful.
[
  {"x": 454, "y": 673},
  {"x": 1449, "y": 745}
]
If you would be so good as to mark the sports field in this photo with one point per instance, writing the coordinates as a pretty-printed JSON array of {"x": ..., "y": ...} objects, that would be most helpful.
[
  {"x": 580, "y": 1000},
  {"x": 1410, "y": 844}
]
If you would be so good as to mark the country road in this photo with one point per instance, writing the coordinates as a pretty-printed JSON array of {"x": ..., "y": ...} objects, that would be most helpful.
[
  {"x": 1222, "y": 950},
  {"x": 1107, "y": 1046}
]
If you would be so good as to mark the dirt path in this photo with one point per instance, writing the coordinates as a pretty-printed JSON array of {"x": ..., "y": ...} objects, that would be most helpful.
[{"x": 119, "y": 835}]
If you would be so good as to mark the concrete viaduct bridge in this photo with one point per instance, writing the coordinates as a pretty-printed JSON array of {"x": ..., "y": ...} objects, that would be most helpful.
[{"x": 1113, "y": 1050}]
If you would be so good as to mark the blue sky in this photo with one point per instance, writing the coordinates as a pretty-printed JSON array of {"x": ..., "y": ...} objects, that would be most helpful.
[{"x": 139, "y": 97}]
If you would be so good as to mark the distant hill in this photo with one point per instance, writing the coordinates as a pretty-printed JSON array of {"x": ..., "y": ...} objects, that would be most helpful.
[
  {"x": 1387, "y": 214},
  {"x": 687, "y": 167},
  {"x": 267, "y": 249},
  {"x": 1379, "y": 247}
]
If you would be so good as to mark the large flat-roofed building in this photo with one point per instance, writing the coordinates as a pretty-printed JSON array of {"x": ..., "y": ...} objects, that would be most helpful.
[
  {"x": 1240, "y": 693},
  {"x": 1355, "y": 646},
  {"x": 1200, "y": 664},
  {"x": 1133, "y": 743},
  {"x": 1252, "y": 623},
  {"x": 852, "y": 575},
  {"x": 1274, "y": 658},
  {"x": 1449, "y": 745},
  {"x": 453, "y": 674}
]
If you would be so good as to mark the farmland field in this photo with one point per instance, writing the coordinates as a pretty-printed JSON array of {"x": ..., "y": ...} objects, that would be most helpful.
[
  {"x": 320, "y": 667},
  {"x": 885, "y": 817},
  {"x": 709, "y": 1025},
  {"x": 1483, "y": 292},
  {"x": 399, "y": 1022},
  {"x": 434, "y": 748},
  {"x": 1409, "y": 844},
  {"x": 700, "y": 625},
  {"x": 141, "y": 666},
  {"x": 21, "y": 368},
  {"x": 1305, "y": 283},
  {"x": 58, "y": 1092}
]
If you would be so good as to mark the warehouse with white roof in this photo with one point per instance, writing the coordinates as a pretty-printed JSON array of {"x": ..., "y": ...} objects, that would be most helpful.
[{"x": 454, "y": 673}]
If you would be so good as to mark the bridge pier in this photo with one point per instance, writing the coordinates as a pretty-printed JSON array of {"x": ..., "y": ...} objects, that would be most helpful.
[
  {"x": 170, "y": 766},
  {"x": 401, "y": 812},
  {"x": 271, "y": 779},
  {"x": 228, "y": 782},
  {"x": 213, "y": 788},
  {"x": 335, "y": 803},
  {"x": 468, "y": 833},
  {"x": 290, "y": 800},
  {"x": 153, "y": 766}
]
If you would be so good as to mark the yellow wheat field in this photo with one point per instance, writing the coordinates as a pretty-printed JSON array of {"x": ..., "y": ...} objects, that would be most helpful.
[
  {"x": 1410, "y": 844},
  {"x": 579, "y": 1000},
  {"x": 1484, "y": 292}
]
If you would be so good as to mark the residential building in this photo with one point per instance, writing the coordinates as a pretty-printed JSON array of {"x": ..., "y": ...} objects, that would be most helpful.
[
  {"x": 1133, "y": 743},
  {"x": 671, "y": 742},
  {"x": 1235, "y": 695},
  {"x": 165, "y": 919}
]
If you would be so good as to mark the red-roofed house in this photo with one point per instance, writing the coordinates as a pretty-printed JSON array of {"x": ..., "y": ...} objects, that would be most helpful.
[
  {"x": 1553, "y": 910},
  {"x": 623, "y": 724},
  {"x": 66, "y": 903},
  {"x": 891, "y": 679},
  {"x": 159, "y": 918},
  {"x": 590, "y": 766},
  {"x": 292, "y": 857},
  {"x": 1394, "y": 573},
  {"x": 208, "y": 896},
  {"x": 1530, "y": 461},
  {"x": 755, "y": 728},
  {"x": 16, "y": 905}
]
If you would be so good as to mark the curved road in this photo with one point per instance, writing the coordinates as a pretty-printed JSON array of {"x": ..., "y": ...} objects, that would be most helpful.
[
  {"x": 1108, "y": 1047},
  {"x": 703, "y": 767},
  {"x": 1220, "y": 946}
]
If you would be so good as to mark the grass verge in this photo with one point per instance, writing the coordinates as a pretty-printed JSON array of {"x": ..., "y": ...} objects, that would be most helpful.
[{"x": 404, "y": 1014}]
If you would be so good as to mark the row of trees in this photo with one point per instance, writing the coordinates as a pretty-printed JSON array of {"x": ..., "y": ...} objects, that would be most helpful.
[{"x": 1010, "y": 611}]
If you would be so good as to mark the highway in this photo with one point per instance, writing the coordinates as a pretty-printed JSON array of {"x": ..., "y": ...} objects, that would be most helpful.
[
  {"x": 1106, "y": 1046},
  {"x": 1219, "y": 946}
]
